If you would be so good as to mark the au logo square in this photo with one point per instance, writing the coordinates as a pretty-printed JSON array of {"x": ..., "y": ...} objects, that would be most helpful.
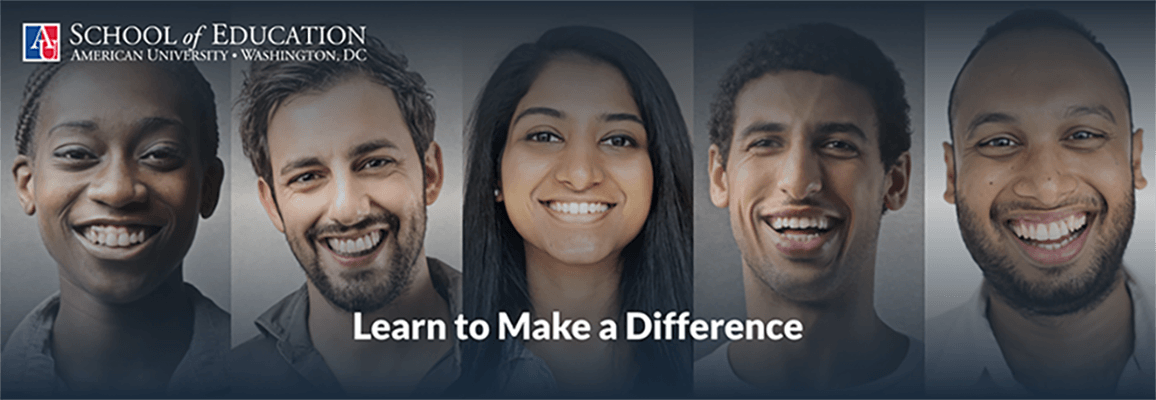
[{"x": 41, "y": 42}]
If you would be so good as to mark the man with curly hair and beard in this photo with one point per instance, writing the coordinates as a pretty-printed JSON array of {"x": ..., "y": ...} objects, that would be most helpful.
[
  {"x": 346, "y": 167},
  {"x": 1042, "y": 169}
]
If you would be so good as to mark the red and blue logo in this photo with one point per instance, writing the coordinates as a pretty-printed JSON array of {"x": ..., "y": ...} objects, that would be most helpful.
[{"x": 41, "y": 42}]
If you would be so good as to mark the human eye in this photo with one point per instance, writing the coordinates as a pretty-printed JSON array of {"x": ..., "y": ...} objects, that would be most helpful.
[
  {"x": 75, "y": 157},
  {"x": 303, "y": 179},
  {"x": 765, "y": 142},
  {"x": 998, "y": 142},
  {"x": 163, "y": 157},
  {"x": 839, "y": 148},
  {"x": 998, "y": 146},
  {"x": 620, "y": 141},
  {"x": 376, "y": 162},
  {"x": 543, "y": 137},
  {"x": 1084, "y": 139},
  {"x": 74, "y": 153}
]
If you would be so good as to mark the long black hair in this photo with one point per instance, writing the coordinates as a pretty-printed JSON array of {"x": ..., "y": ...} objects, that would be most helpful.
[{"x": 656, "y": 274}]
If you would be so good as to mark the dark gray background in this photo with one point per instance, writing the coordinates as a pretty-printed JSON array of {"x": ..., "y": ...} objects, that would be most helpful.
[{"x": 721, "y": 32}]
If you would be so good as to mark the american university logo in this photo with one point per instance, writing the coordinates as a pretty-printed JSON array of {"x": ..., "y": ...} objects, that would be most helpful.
[{"x": 41, "y": 42}]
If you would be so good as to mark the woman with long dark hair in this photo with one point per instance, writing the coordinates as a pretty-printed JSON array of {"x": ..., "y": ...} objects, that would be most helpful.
[{"x": 578, "y": 200}]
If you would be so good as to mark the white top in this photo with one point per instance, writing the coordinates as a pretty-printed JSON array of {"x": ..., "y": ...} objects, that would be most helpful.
[
  {"x": 964, "y": 359},
  {"x": 714, "y": 377}
]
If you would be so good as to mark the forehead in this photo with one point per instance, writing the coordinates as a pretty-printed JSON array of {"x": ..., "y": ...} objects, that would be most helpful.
[
  {"x": 1037, "y": 72},
  {"x": 330, "y": 122},
  {"x": 576, "y": 82},
  {"x": 804, "y": 98},
  {"x": 111, "y": 94}
]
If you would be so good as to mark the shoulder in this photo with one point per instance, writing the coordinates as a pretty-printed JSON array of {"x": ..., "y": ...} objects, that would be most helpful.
[
  {"x": 29, "y": 369},
  {"x": 257, "y": 369}
]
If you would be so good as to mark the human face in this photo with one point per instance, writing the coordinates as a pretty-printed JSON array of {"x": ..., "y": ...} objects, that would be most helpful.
[
  {"x": 116, "y": 177},
  {"x": 576, "y": 176},
  {"x": 350, "y": 191},
  {"x": 1046, "y": 169},
  {"x": 804, "y": 183}
]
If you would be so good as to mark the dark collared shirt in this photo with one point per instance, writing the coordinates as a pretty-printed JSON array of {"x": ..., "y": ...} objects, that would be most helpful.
[
  {"x": 29, "y": 369},
  {"x": 282, "y": 362}
]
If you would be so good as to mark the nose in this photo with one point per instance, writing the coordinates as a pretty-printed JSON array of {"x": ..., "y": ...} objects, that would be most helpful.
[
  {"x": 350, "y": 203},
  {"x": 1045, "y": 177},
  {"x": 800, "y": 175},
  {"x": 116, "y": 185},
  {"x": 579, "y": 167}
]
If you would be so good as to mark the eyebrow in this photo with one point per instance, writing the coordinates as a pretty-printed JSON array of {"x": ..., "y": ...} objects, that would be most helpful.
[
  {"x": 83, "y": 125},
  {"x": 1104, "y": 112},
  {"x": 369, "y": 147},
  {"x": 838, "y": 127},
  {"x": 615, "y": 117},
  {"x": 761, "y": 127},
  {"x": 300, "y": 163},
  {"x": 549, "y": 112},
  {"x": 150, "y": 124},
  {"x": 991, "y": 117}
]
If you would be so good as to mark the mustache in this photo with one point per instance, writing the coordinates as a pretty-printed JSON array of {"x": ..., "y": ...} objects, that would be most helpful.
[
  {"x": 337, "y": 228},
  {"x": 1003, "y": 208}
]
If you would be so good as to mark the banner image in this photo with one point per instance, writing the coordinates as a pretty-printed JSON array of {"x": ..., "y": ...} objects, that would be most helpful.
[{"x": 671, "y": 199}]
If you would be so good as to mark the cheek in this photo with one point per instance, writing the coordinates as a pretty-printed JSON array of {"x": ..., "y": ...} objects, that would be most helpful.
[
  {"x": 521, "y": 172},
  {"x": 980, "y": 182},
  {"x": 636, "y": 179}
]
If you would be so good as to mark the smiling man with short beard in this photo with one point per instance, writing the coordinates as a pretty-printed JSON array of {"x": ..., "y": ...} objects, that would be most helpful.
[
  {"x": 347, "y": 165},
  {"x": 1042, "y": 168}
]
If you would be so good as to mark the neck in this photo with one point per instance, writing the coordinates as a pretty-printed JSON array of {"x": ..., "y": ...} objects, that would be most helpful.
[
  {"x": 844, "y": 342},
  {"x": 589, "y": 292},
  {"x": 1083, "y": 351},
  {"x": 132, "y": 347},
  {"x": 389, "y": 366}
]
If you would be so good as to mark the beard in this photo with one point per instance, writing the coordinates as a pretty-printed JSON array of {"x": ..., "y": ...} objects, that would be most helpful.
[
  {"x": 1065, "y": 289},
  {"x": 372, "y": 288}
]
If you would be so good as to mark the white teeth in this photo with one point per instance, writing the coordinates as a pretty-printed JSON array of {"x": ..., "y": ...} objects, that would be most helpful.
[
  {"x": 801, "y": 238},
  {"x": 1051, "y": 231},
  {"x": 114, "y": 235},
  {"x": 579, "y": 208},
  {"x": 354, "y": 246},
  {"x": 821, "y": 223}
]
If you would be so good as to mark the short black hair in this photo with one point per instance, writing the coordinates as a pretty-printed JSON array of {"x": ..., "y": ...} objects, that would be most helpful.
[
  {"x": 185, "y": 74},
  {"x": 1031, "y": 19},
  {"x": 825, "y": 49},
  {"x": 268, "y": 84}
]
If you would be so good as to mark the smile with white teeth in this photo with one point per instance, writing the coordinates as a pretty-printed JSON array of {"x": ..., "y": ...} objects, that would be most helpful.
[
  {"x": 579, "y": 208},
  {"x": 115, "y": 235},
  {"x": 1052, "y": 235},
  {"x": 801, "y": 229},
  {"x": 355, "y": 247}
]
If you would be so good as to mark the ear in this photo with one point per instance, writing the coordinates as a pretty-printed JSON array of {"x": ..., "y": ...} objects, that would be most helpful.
[
  {"x": 270, "y": 204},
  {"x": 1138, "y": 180},
  {"x": 211, "y": 187},
  {"x": 434, "y": 173},
  {"x": 949, "y": 159},
  {"x": 25, "y": 185},
  {"x": 898, "y": 180},
  {"x": 719, "y": 190}
]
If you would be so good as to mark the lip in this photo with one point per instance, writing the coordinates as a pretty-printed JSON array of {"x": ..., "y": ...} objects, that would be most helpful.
[
  {"x": 120, "y": 253},
  {"x": 360, "y": 260},
  {"x": 1069, "y": 246},
  {"x": 586, "y": 217},
  {"x": 806, "y": 233}
]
